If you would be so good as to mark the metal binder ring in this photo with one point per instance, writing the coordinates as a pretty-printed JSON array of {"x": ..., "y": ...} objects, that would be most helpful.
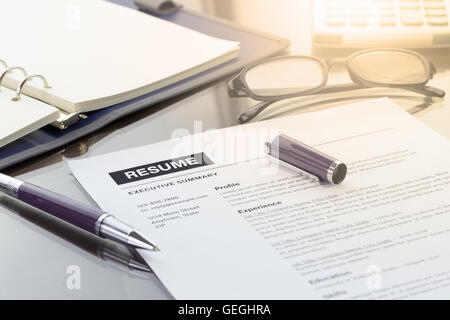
[
  {"x": 3, "y": 62},
  {"x": 8, "y": 70},
  {"x": 29, "y": 78}
]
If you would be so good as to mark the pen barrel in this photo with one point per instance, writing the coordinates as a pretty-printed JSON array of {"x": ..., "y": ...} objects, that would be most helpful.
[
  {"x": 74, "y": 212},
  {"x": 308, "y": 159}
]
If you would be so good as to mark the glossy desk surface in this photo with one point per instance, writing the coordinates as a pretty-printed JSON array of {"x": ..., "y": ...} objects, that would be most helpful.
[{"x": 39, "y": 253}]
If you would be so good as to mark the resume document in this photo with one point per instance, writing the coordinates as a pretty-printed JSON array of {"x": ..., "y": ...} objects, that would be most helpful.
[{"x": 233, "y": 223}]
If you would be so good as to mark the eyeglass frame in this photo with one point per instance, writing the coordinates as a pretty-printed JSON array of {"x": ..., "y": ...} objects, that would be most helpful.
[{"x": 238, "y": 86}]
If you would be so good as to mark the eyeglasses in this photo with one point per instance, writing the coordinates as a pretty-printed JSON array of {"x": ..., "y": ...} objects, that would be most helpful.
[{"x": 294, "y": 76}]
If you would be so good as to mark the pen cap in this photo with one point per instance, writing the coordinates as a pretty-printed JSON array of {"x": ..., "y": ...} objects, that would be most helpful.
[
  {"x": 158, "y": 7},
  {"x": 307, "y": 158}
]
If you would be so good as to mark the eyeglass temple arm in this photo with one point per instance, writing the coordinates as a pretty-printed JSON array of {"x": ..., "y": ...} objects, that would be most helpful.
[
  {"x": 427, "y": 90},
  {"x": 254, "y": 111},
  {"x": 251, "y": 113}
]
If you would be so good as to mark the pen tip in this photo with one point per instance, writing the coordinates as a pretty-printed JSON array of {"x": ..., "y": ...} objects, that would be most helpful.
[{"x": 140, "y": 242}]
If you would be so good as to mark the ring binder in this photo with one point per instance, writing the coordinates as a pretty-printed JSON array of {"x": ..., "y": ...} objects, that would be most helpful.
[
  {"x": 24, "y": 81},
  {"x": 255, "y": 46},
  {"x": 8, "y": 70},
  {"x": 65, "y": 119}
]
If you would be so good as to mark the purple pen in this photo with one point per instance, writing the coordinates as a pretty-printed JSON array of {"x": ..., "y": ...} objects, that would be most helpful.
[
  {"x": 76, "y": 213},
  {"x": 306, "y": 158}
]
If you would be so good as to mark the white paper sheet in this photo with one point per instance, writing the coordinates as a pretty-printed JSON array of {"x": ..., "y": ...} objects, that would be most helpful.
[
  {"x": 245, "y": 228},
  {"x": 19, "y": 118}
]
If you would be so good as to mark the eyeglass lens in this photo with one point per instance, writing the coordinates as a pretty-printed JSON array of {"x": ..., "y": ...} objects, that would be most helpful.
[
  {"x": 390, "y": 67},
  {"x": 284, "y": 76},
  {"x": 299, "y": 74}
]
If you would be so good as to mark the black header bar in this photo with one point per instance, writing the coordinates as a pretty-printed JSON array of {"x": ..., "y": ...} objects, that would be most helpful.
[{"x": 161, "y": 168}]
